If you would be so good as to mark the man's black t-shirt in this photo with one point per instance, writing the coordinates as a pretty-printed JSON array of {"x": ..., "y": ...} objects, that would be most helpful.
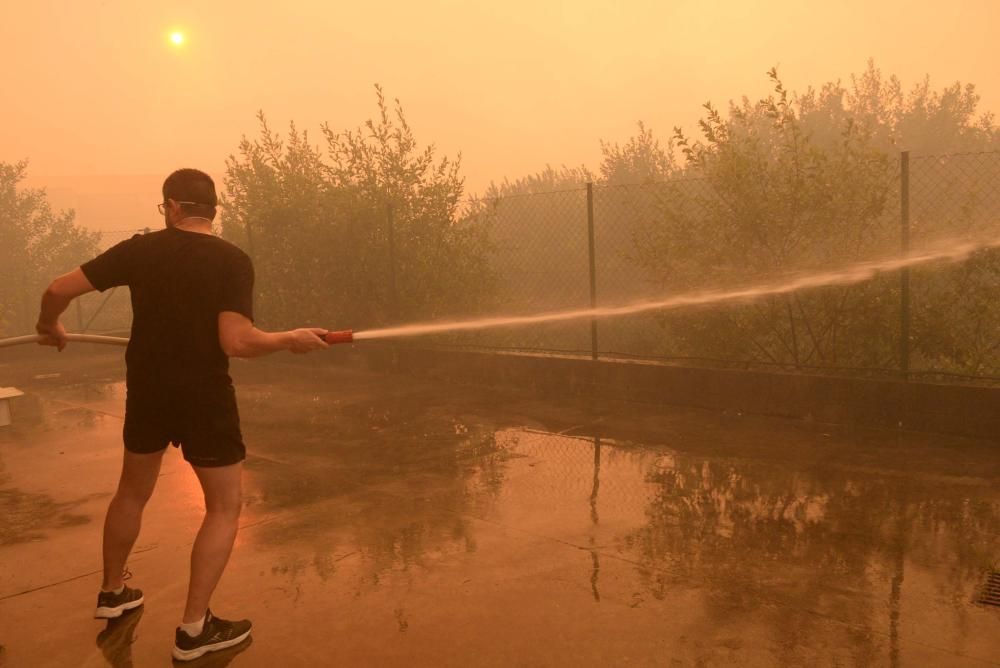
[{"x": 180, "y": 281}]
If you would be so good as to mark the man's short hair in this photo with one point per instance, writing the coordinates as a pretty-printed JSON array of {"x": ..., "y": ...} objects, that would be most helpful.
[{"x": 192, "y": 185}]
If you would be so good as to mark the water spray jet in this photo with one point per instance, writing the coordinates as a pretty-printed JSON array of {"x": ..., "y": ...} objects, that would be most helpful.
[{"x": 850, "y": 275}]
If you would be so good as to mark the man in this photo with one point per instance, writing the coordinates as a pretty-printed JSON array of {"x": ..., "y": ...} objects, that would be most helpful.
[{"x": 192, "y": 309}]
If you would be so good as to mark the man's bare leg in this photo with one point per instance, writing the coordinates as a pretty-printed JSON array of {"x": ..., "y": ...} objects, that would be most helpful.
[
  {"x": 121, "y": 525},
  {"x": 223, "y": 497}
]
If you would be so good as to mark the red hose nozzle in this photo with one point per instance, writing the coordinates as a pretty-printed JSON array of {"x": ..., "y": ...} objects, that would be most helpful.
[{"x": 343, "y": 336}]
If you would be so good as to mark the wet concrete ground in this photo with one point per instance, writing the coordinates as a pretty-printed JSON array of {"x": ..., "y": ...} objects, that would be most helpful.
[{"x": 390, "y": 521}]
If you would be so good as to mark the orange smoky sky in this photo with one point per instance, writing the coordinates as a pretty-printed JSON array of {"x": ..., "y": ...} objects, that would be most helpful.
[{"x": 104, "y": 102}]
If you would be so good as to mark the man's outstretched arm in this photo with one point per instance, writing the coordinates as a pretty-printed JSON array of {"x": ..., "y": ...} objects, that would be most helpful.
[
  {"x": 239, "y": 338},
  {"x": 57, "y": 297}
]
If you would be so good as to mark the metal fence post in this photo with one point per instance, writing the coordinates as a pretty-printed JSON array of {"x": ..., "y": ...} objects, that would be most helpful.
[
  {"x": 593, "y": 269},
  {"x": 904, "y": 276},
  {"x": 393, "y": 296}
]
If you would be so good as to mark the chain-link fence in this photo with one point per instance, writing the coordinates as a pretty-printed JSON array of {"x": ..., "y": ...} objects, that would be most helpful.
[
  {"x": 634, "y": 243},
  {"x": 952, "y": 313}
]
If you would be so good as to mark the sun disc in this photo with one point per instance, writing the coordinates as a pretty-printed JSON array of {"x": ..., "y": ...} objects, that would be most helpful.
[{"x": 177, "y": 38}]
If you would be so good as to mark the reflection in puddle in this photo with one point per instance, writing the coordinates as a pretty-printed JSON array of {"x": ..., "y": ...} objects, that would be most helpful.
[{"x": 764, "y": 547}]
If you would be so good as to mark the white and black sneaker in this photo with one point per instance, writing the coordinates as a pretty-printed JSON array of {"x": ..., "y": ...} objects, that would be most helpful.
[
  {"x": 215, "y": 635},
  {"x": 111, "y": 605}
]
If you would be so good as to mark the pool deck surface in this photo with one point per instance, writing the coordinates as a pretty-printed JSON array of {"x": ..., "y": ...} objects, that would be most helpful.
[{"x": 393, "y": 521}]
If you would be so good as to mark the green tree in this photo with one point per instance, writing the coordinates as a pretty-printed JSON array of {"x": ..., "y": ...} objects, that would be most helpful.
[
  {"x": 793, "y": 183},
  {"x": 278, "y": 205},
  {"x": 640, "y": 160},
  {"x": 317, "y": 223},
  {"x": 779, "y": 200},
  {"x": 38, "y": 243},
  {"x": 438, "y": 259}
]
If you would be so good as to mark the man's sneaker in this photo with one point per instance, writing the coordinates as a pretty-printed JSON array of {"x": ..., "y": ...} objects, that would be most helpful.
[
  {"x": 215, "y": 635},
  {"x": 111, "y": 605}
]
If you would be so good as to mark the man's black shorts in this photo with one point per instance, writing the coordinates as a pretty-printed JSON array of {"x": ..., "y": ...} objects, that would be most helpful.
[{"x": 202, "y": 420}]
